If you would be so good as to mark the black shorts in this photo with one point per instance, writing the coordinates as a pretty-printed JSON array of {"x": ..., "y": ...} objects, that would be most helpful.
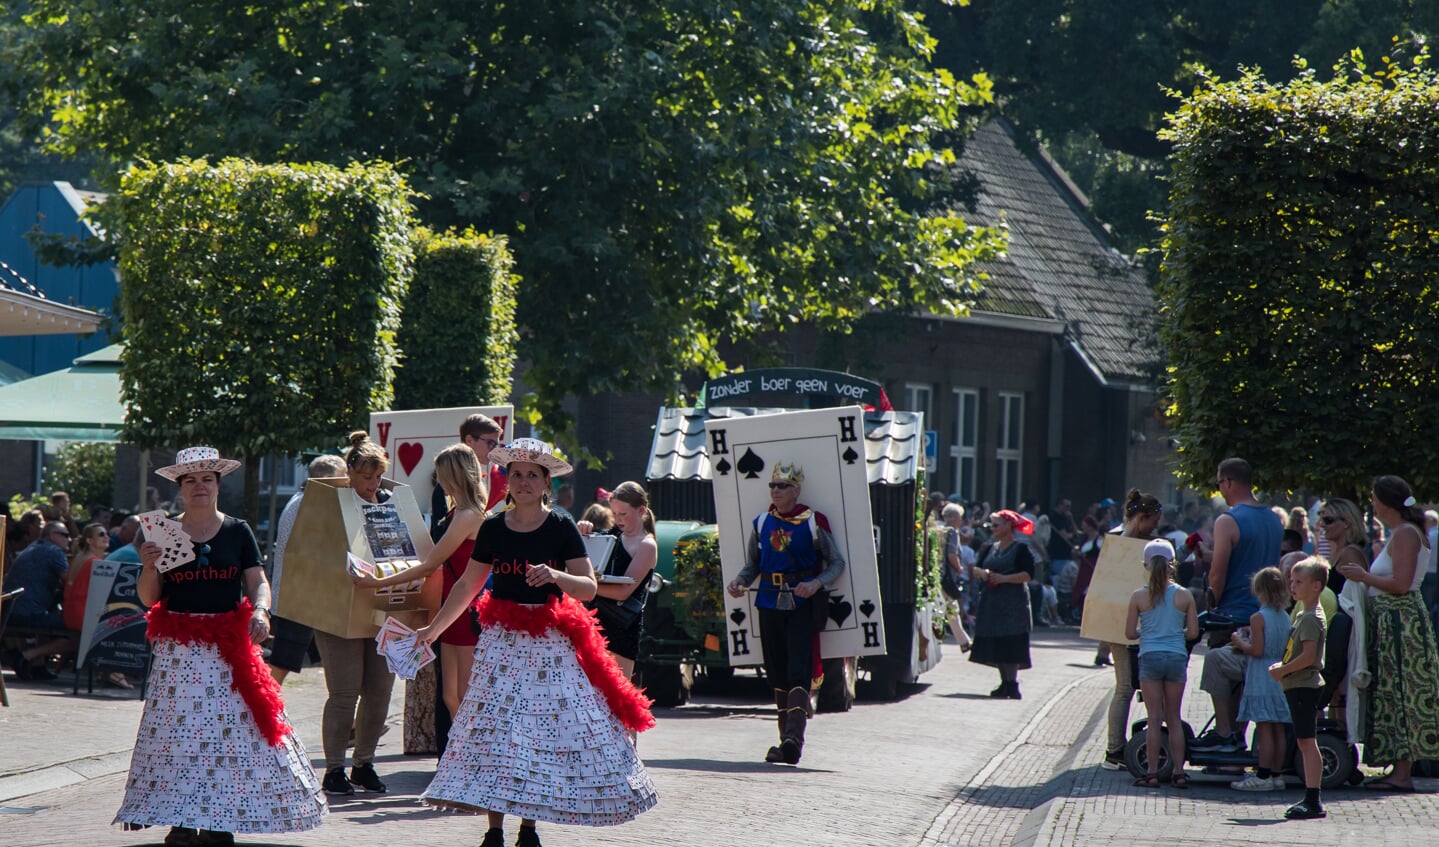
[
  {"x": 291, "y": 643},
  {"x": 1303, "y": 710}
]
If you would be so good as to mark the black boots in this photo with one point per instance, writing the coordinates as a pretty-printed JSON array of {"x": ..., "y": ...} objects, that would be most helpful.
[
  {"x": 1006, "y": 691},
  {"x": 792, "y": 708}
]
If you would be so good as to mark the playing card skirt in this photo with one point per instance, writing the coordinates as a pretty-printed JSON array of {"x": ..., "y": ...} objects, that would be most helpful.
[
  {"x": 215, "y": 750},
  {"x": 542, "y": 732}
]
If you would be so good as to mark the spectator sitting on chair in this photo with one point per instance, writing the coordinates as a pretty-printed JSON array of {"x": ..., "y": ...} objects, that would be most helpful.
[
  {"x": 130, "y": 541},
  {"x": 40, "y": 570}
]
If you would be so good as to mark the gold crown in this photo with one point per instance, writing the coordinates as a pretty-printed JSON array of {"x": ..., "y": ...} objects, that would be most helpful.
[{"x": 787, "y": 472}]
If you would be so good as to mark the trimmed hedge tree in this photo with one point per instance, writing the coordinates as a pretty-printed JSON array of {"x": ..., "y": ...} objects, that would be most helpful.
[
  {"x": 1298, "y": 289},
  {"x": 261, "y": 303},
  {"x": 458, "y": 336}
]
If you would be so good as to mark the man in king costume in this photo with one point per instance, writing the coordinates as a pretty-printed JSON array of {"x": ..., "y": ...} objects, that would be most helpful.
[{"x": 793, "y": 554}]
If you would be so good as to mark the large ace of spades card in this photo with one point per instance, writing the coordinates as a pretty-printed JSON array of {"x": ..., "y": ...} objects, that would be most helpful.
[{"x": 829, "y": 445}]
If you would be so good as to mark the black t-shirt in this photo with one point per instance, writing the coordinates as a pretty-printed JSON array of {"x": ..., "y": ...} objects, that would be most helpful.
[
  {"x": 214, "y": 582},
  {"x": 510, "y": 554}
]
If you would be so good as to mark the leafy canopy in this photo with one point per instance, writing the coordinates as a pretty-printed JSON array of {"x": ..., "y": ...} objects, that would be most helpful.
[
  {"x": 1300, "y": 312},
  {"x": 671, "y": 176},
  {"x": 261, "y": 302}
]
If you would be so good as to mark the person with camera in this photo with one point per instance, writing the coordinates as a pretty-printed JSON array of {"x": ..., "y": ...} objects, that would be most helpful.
[{"x": 619, "y": 605}]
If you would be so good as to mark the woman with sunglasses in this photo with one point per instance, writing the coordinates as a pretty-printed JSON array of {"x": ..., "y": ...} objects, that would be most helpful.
[
  {"x": 1341, "y": 524},
  {"x": 215, "y": 754},
  {"x": 94, "y": 543},
  {"x": 1002, "y": 625}
]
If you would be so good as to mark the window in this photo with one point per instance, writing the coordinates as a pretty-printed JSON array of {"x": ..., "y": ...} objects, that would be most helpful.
[
  {"x": 964, "y": 443},
  {"x": 1008, "y": 449},
  {"x": 917, "y": 398},
  {"x": 286, "y": 472}
]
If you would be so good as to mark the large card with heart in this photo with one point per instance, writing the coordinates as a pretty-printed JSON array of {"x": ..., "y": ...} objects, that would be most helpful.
[
  {"x": 412, "y": 439},
  {"x": 828, "y": 444}
]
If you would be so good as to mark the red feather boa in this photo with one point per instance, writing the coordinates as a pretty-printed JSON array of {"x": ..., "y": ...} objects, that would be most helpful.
[
  {"x": 576, "y": 623},
  {"x": 230, "y": 633}
]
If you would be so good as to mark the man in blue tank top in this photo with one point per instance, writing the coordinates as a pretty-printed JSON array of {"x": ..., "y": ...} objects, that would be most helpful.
[
  {"x": 1246, "y": 540},
  {"x": 791, "y": 551}
]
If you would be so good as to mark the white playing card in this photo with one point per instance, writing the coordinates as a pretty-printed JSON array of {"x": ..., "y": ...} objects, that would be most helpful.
[
  {"x": 359, "y": 567},
  {"x": 829, "y": 445},
  {"x": 175, "y": 545},
  {"x": 403, "y": 652},
  {"x": 412, "y": 439}
]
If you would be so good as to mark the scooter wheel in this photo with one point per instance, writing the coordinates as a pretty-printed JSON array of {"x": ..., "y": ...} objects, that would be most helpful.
[
  {"x": 1340, "y": 762},
  {"x": 1136, "y": 756}
]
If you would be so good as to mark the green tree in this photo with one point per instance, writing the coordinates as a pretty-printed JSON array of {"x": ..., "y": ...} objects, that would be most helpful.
[
  {"x": 1089, "y": 77},
  {"x": 85, "y": 470},
  {"x": 458, "y": 334},
  {"x": 1300, "y": 315},
  {"x": 261, "y": 303},
  {"x": 672, "y": 176}
]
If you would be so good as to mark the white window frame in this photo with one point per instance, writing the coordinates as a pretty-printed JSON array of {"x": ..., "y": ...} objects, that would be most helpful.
[
  {"x": 919, "y": 397},
  {"x": 1009, "y": 449},
  {"x": 965, "y": 452}
]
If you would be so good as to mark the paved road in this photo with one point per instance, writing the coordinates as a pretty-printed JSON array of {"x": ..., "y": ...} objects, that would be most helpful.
[{"x": 945, "y": 765}]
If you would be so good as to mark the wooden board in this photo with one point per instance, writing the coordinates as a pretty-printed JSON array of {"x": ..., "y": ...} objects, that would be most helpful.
[{"x": 1119, "y": 571}]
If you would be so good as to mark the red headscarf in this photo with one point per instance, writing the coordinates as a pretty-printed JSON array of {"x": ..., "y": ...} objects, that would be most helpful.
[{"x": 1021, "y": 524}]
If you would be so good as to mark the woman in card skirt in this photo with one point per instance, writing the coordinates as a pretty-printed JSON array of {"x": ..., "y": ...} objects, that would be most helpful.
[
  {"x": 215, "y": 753},
  {"x": 542, "y": 732}
]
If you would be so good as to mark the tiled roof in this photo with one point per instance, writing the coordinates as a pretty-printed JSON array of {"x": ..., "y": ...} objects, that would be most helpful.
[
  {"x": 1059, "y": 265},
  {"x": 893, "y": 443}
]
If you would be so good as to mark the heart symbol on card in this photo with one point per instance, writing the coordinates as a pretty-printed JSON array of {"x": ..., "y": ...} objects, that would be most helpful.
[
  {"x": 868, "y": 608},
  {"x": 410, "y": 453},
  {"x": 839, "y": 610},
  {"x": 737, "y": 616}
]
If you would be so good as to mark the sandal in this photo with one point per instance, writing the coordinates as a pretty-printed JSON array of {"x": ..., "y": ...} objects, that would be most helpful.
[
  {"x": 1150, "y": 781},
  {"x": 1180, "y": 780}
]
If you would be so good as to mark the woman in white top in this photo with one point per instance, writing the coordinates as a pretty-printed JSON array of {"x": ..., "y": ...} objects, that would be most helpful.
[{"x": 1403, "y": 714}]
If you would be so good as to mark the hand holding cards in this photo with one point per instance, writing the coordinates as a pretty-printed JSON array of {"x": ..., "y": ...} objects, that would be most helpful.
[
  {"x": 176, "y": 547},
  {"x": 403, "y": 652}
]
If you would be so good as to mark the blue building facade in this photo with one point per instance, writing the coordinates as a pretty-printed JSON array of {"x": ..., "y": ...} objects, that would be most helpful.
[{"x": 54, "y": 208}]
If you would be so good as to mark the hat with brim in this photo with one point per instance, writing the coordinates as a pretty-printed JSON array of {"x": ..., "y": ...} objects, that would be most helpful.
[
  {"x": 530, "y": 450},
  {"x": 193, "y": 459}
]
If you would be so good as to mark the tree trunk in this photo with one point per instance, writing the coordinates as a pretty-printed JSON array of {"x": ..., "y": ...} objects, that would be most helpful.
[{"x": 252, "y": 489}]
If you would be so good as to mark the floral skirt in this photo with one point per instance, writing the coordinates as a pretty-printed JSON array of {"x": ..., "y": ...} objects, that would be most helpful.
[
  {"x": 1403, "y": 715},
  {"x": 200, "y": 760},
  {"x": 535, "y": 738}
]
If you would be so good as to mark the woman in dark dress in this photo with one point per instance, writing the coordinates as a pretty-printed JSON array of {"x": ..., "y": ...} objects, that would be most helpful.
[
  {"x": 541, "y": 733},
  {"x": 1001, "y": 628},
  {"x": 215, "y": 754},
  {"x": 620, "y": 606}
]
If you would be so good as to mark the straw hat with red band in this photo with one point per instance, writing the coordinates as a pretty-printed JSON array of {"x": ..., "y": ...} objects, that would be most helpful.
[
  {"x": 1021, "y": 524},
  {"x": 193, "y": 459},
  {"x": 530, "y": 450}
]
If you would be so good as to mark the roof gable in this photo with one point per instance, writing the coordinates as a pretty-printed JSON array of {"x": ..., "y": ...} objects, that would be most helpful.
[{"x": 1059, "y": 264}]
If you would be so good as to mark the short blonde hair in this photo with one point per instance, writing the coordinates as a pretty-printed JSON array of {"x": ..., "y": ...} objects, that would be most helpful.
[{"x": 1314, "y": 568}]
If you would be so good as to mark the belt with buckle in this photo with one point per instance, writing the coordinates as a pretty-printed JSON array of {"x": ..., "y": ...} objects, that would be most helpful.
[{"x": 780, "y": 578}]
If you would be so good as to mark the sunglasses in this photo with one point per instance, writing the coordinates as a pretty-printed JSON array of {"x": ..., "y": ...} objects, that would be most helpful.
[
  {"x": 1328, "y": 519},
  {"x": 780, "y": 486},
  {"x": 202, "y": 555}
]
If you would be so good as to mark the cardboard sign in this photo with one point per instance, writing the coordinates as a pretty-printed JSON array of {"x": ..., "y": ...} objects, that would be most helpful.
[
  {"x": 829, "y": 445},
  {"x": 113, "y": 634},
  {"x": 1119, "y": 571},
  {"x": 333, "y": 524},
  {"x": 413, "y": 439}
]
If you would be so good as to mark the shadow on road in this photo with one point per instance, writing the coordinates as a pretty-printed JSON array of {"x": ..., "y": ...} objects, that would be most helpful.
[{"x": 718, "y": 766}]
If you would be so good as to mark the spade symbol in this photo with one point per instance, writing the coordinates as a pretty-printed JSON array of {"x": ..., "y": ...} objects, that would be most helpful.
[
  {"x": 839, "y": 610},
  {"x": 868, "y": 608},
  {"x": 849, "y": 455},
  {"x": 737, "y": 616},
  {"x": 750, "y": 464},
  {"x": 723, "y": 467}
]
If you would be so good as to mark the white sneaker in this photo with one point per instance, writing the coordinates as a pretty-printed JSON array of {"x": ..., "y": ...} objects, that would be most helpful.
[
  {"x": 1279, "y": 783},
  {"x": 1253, "y": 783}
]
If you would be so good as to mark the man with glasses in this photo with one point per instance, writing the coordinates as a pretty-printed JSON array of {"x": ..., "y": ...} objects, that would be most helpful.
[
  {"x": 793, "y": 554},
  {"x": 1246, "y": 539},
  {"x": 40, "y": 570}
]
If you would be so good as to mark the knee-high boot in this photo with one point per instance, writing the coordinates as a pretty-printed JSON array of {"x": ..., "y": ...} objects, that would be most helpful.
[
  {"x": 781, "y": 707},
  {"x": 792, "y": 741}
]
